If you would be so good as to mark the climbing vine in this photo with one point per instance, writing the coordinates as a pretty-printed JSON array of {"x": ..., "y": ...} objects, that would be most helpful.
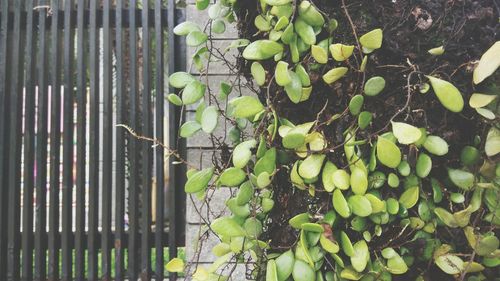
[{"x": 372, "y": 182}]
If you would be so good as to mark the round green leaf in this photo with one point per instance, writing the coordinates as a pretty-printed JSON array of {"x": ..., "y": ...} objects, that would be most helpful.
[
  {"x": 281, "y": 23},
  {"x": 303, "y": 272},
  {"x": 388, "y": 153},
  {"x": 258, "y": 73},
  {"x": 226, "y": 226},
  {"x": 284, "y": 265},
  {"x": 196, "y": 38},
  {"x": 327, "y": 176},
  {"x": 305, "y": 31},
  {"x": 448, "y": 94},
  {"x": 341, "y": 179},
  {"x": 360, "y": 205},
  {"x": 492, "y": 145},
  {"x": 310, "y": 14},
  {"x": 355, "y": 104},
  {"x": 209, "y": 119},
  {"x": 364, "y": 119},
  {"x": 189, "y": 128},
  {"x": 374, "y": 86},
  {"x": 361, "y": 256},
  {"x": 262, "y": 49},
  {"x": 319, "y": 54},
  {"x": 396, "y": 265},
  {"x": 242, "y": 153},
  {"x": 281, "y": 74},
  {"x": 478, "y": 100},
  {"x": 175, "y": 265},
  {"x": 218, "y": 26},
  {"x": 341, "y": 52},
  {"x": 174, "y": 99},
  {"x": 245, "y": 193},
  {"x": 245, "y": 107},
  {"x": 450, "y": 264},
  {"x": 372, "y": 39},
  {"x": 199, "y": 180},
  {"x": 294, "y": 88},
  {"x": 359, "y": 181},
  {"x": 462, "y": 179},
  {"x": 232, "y": 177},
  {"x": 393, "y": 180},
  {"x": 392, "y": 206},
  {"x": 193, "y": 92},
  {"x": 185, "y": 28},
  {"x": 305, "y": 80},
  {"x": 405, "y": 133},
  {"x": 180, "y": 79},
  {"x": 457, "y": 198},
  {"x": 409, "y": 197},
  {"x": 312, "y": 227},
  {"x": 334, "y": 74},
  {"x": 262, "y": 23},
  {"x": 436, "y": 145},
  {"x": 340, "y": 204},
  {"x": 487, "y": 245},
  {"x": 311, "y": 166},
  {"x": 424, "y": 165}
]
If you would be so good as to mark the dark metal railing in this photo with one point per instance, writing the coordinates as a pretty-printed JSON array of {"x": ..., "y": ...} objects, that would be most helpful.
[{"x": 80, "y": 198}]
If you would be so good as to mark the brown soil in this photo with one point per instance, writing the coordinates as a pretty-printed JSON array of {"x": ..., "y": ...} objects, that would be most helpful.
[{"x": 465, "y": 28}]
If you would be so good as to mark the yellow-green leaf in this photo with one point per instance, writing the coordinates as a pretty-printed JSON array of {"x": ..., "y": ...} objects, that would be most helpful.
[
  {"x": 319, "y": 54},
  {"x": 175, "y": 265},
  {"x": 478, "y": 100},
  {"x": 281, "y": 74},
  {"x": 405, "y": 133},
  {"x": 262, "y": 49},
  {"x": 388, "y": 153},
  {"x": 488, "y": 63},
  {"x": 409, "y": 197},
  {"x": 258, "y": 73},
  {"x": 372, "y": 40},
  {"x": 436, "y": 51},
  {"x": 341, "y": 52},
  {"x": 449, "y": 96},
  {"x": 334, "y": 74}
]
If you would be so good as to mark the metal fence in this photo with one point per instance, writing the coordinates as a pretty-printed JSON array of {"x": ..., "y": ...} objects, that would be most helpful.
[{"x": 80, "y": 198}]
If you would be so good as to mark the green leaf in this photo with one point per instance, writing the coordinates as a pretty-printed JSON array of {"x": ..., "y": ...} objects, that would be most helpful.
[
  {"x": 196, "y": 38},
  {"x": 294, "y": 88},
  {"x": 245, "y": 107},
  {"x": 305, "y": 31},
  {"x": 359, "y": 181},
  {"x": 175, "y": 265},
  {"x": 245, "y": 193},
  {"x": 277, "y": 2},
  {"x": 262, "y": 49},
  {"x": 319, "y": 54},
  {"x": 202, "y": 4},
  {"x": 267, "y": 163},
  {"x": 232, "y": 177},
  {"x": 258, "y": 73},
  {"x": 327, "y": 176},
  {"x": 262, "y": 23},
  {"x": 242, "y": 153},
  {"x": 478, "y": 100},
  {"x": 271, "y": 272},
  {"x": 302, "y": 271},
  {"x": 364, "y": 119},
  {"x": 294, "y": 139},
  {"x": 226, "y": 226},
  {"x": 218, "y": 26},
  {"x": 341, "y": 52},
  {"x": 372, "y": 40},
  {"x": 334, "y": 74},
  {"x": 376, "y": 204},
  {"x": 487, "y": 245},
  {"x": 298, "y": 220},
  {"x": 209, "y": 119},
  {"x": 305, "y": 80},
  {"x": 492, "y": 145},
  {"x": 199, "y": 180},
  {"x": 450, "y": 264},
  {"x": 310, "y": 14},
  {"x": 436, "y": 145},
  {"x": 488, "y": 63},
  {"x": 360, "y": 205},
  {"x": 361, "y": 256},
  {"x": 284, "y": 265},
  {"x": 281, "y": 23},
  {"x": 486, "y": 113},
  {"x": 392, "y": 206},
  {"x": 281, "y": 74},
  {"x": 446, "y": 217},
  {"x": 449, "y": 96},
  {"x": 189, "y": 128},
  {"x": 374, "y": 86},
  {"x": 341, "y": 179},
  {"x": 312, "y": 227},
  {"x": 311, "y": 166},
  {"x": 405, "y": 133},
  {"x": 396, "y": 265},
  {"x": 388, "y": 153},
  {"x": 355, "y": 104},
  {"x": 340, "y": 204},
  {"x": 180, "y": 79},
  {"x": 409, "y": 197},
  {"x": 349, "y": 273},
  {"x": 424, "y": 165},
  {"x": 194, "y": 91},
  {"x": 185, "y": 28},
  {"x": 346, "y": 244},
  {"x": 174, "y": 99},
  {"x": 462, "y": 179},
  {"x": 436, "y": 51}
]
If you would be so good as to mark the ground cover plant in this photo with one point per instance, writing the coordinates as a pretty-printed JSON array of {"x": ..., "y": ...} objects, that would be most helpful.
[{"x": 369, "y": 150}]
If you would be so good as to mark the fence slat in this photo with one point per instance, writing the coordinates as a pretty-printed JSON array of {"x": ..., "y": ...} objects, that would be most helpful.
[
  {"x": 4, "y": 123},
  {"x": 41, "y": 149},
  {"x": 94, "y": 144},
  {"x": 146, "y": 146},
  {"x": 55, "y": 143},
  {"x": 81, "y": 127},
  {"x": 29, "y": 146},
  {"x": 107, "y": 145},
  {"x": 159, "y": 115},
  {"x": 67, "y": 186},
  {"x": 120, "y": 148},
  {"x": 133, "y": 206},
  {"x": 14, "y": 157}
]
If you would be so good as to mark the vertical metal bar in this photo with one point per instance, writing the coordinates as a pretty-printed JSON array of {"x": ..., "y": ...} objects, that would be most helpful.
[
  {"x": 4, "y": 123},
  {"x": 81, "y": 96},
  {"x": 133, "y": 199},
  {"x": 29, "y": 146},
  {"x": 172, "y": 140},
  {"x": 107, "y": 146},
  {"x": 41, "y": 150},
  {"x": 55, "y": 146},
  {"x": 67, "y": 186},
  {"x": 160, "y": 172},
  {"x": 94, "y": 144},
  {"x": 120, "y": 147},
  {"x": 14, "y": 158},
  {"x": 146, "y": 147}
]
